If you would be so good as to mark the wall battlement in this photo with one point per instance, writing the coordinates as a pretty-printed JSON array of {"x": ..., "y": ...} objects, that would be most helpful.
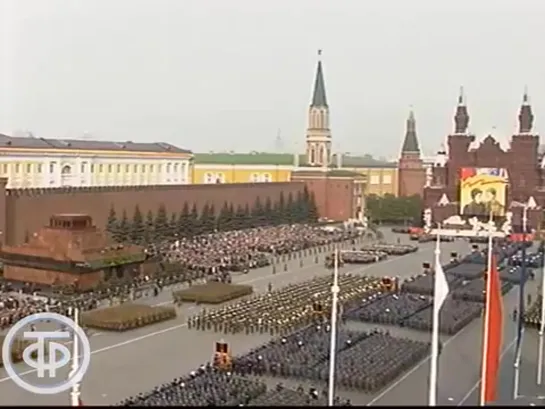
[{"x": 136, "y": 188}]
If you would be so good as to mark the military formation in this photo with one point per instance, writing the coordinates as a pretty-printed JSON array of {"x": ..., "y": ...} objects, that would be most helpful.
[
  {"x": 126, "y": 317},
  {"x": 366, "y": 361},
  {"x": 282, "y": 310},
  {"x": 208, "y": 386}
]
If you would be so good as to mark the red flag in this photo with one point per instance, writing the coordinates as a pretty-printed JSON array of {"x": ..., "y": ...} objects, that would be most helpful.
[{"x": 492, "y": 337}]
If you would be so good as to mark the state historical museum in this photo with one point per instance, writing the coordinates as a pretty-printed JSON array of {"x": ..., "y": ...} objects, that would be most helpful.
[{"x": 482, "y": 178}]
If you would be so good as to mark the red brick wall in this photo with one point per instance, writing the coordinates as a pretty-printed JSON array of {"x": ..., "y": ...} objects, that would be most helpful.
[
  {"x": 27, "y": 210},
  {"x": 334, "y": 196}
]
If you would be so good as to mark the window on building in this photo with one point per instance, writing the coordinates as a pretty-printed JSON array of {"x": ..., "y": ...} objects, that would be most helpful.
[
  {"x": 118, "y": 168},
  {"x": 175, "y": 168},
  {"x": 312, "y": 155},
  {"x": 51, "y": 167},
  {"x": 220, "y": 178},
  {"x": 168, "y": 167},
  {"x": 5, "y": 168},
  {"x": 387, "y": 179},
  {"x": 208, "y": 178},
  {"x": 135, "y": 168},
  {"x": 28, "y": 168},
  {"x": 267, "y": 177},
  {"x": 374, "y": 180},
  {"x": 127, "y": 168},
  {"x": 110, "y": 168},
  {"x": 143, "y": 168},
  {"x": 83, "y": 167},
  {"x": 92, "y": 167},
  {"x": 100, "y": 168},
  {"x": 151, "y": 168},
  {"x": 254, "y": 178}
]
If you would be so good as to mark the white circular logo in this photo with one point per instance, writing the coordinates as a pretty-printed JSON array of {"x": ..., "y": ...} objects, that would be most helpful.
[{"x": 45, "y": 359}]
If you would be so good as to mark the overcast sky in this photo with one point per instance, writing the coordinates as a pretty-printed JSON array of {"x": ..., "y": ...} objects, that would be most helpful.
[{"x": 228, "y": 74}]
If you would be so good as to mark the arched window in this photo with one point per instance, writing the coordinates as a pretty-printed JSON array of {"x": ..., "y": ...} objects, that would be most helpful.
[
  {"x": 322, "y": 153},
  {"x": 312, "y": 155},
  {"x": 66, "y": 176}
]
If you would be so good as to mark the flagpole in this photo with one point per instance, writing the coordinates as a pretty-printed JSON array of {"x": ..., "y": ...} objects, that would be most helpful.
[
  {"x": 520, "y": 327},
  {"x": 488, "y": 294},
  {"x": 75, "y": 392},
  {"x": 434, "y": 358},
  {"x": 541, "y": 324},
  {"x": 333, "y": 341}
]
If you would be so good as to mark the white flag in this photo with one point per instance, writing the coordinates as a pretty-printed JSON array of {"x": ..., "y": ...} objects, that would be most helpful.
[
  {"x": 440, "y": 288},
  {"x": 440, "y": 293}
]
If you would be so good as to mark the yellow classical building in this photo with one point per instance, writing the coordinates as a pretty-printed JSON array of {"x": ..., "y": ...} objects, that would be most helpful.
[
  {"x": 29, "y": 162},
  {"x": 259, "y": 167}
]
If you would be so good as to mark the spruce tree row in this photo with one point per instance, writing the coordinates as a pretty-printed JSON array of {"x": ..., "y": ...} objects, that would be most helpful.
[{"x": 189, "y": 222}]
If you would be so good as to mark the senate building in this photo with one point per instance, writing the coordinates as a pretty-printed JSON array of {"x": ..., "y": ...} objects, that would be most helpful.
[{"x": 29, "y": 162}]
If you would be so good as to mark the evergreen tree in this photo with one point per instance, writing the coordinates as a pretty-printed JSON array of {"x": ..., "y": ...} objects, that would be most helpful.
[
  {"x": 149, "y": 231},
  {"x": 112, "y": 221},
  {"x": 313, "y": 214},
  {"x": 204, "y": 220},
  {"x": 184, "y": 222},
  {"x": 290, "y": 210},
  {"x": 122, "y": 233},
  {"x": 230, "y": 216},
  {"x": 299, "y": 208},
  {"x": 247, "y": 219},
  {"x": 136, "y": 229},
  {"x": 257, "y": 212},
  {"x": 212, "y": 217},
  {"x": 281, "y": 209},
  {"x": 173, "y": 226},
  {"x": 239, "y": 219},
  {"x": 305, "y": 206},
  {"x": 268, "y": 212},
  {"x": 223, "y": 218},
  {"x": 161, "y": 223},
  {"x": 195, "y": 221}
]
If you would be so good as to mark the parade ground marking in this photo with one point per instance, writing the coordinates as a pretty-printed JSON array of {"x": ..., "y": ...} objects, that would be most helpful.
[{"x": 34, "y": 355}]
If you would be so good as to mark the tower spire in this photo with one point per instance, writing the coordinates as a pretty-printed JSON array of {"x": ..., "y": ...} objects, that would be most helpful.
[
  {"x": 461, "y": 118},
  {"x": 526, "y": 117},
  {"x": 319, "y": 98},
  {"x": 318, "y": 138},
  {"x": 461, "y": 97},
  {"x": 410, "y": 143}
]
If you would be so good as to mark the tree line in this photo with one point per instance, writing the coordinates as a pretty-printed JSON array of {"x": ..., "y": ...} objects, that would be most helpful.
[
  {"x": 394, "y": 210},
  {"x": 189, "y": 222}
]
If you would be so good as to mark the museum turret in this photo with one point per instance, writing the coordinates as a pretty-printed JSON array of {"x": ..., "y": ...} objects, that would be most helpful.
[{"x": 525, "y": 149}]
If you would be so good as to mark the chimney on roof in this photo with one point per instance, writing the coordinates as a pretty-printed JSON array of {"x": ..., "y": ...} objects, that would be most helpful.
[
  {"x": 296, "y": 160},
  {"x": 339, "y": 160}
]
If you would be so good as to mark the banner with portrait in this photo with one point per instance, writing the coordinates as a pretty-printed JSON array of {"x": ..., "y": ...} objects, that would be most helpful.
[{"x": 483, "y": 191}]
